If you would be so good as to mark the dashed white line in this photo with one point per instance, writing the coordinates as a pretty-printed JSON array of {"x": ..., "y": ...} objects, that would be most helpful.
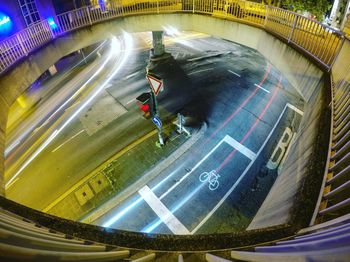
[
  {"x": 163, "y": 212},
  {"x": 132, "y": 100},
  {"x": 132, "y": 75},
  {"x": 209, "y": 69},
  {"x": 295, "y": 109},
  {"x": 241, "y": 148},
  {"x": 68, "y": 140},
  {"x": 246, "y": 170},
  {"x": 234, "y": 73},
  {"x": 267, "y": 91}
]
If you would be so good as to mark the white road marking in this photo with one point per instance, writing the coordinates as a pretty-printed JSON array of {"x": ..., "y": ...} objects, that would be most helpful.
[
  {"x": 195, "y": 167},
  {"x": 267, "y": 91},
  {"x": 132, "y": 75},
  {"x": 68, "y": 140},
  {"x": 208, "y": 69},
  {"x": 241, "y": 148},
  {"x": 246, "y": 170},
  {"x": 234, "y": 73},
  {"x": 163, "y": 212},
  {"x": 132, "y": 100},
  {"x": 295, "y": 109}
]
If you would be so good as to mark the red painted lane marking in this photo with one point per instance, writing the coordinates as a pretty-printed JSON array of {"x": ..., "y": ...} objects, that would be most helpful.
[
  {"x": 260, "y": 117},
  {"x": 241, "y": 106}
]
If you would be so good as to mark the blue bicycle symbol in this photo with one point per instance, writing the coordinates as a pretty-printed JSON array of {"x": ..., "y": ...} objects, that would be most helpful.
[{"x": 212, "y": 178}]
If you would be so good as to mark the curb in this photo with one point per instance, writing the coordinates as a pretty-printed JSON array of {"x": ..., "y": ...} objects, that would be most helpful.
[{"x": 132, "y": 189}]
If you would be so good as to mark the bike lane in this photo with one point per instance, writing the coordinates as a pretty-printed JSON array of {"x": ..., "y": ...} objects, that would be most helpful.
[
  {"x": 193, "y": 200},
  {"x": 144, "y": 218}
]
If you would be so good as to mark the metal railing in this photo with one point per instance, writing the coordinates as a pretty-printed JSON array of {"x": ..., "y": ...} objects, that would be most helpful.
[
  {"x": 320, "y": 42},
  {"x": 335, "y": 197}
]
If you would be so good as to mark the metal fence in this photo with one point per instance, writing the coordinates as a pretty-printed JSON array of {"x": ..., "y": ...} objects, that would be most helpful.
[
  {"x": 320, "y": 42},
  {"x": 334, "y": 200}
]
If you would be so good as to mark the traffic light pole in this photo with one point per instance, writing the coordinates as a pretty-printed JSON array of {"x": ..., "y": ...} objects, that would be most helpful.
[{"x": 159, "y": 127}]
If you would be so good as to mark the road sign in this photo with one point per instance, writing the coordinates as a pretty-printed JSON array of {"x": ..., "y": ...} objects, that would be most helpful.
[
  {"x": 157, "y": 121},
  {"x": 155, "y": 82}
]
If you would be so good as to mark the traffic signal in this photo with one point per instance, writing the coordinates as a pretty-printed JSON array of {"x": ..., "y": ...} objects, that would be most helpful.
[{"x": 145, "y": 102}]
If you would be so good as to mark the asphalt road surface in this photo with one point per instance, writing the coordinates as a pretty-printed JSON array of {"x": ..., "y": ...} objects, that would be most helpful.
[
  {"x": 245, "y": 102},
  {"x": 247, "y": 106}
]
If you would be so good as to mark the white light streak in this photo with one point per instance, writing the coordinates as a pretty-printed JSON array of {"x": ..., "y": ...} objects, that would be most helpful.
[
  {"x": 65, "y": 142},
  {"x": 9, "y": 148},
  {"x": 120, "y": 214},
  {"x": 115, "y": 50}
]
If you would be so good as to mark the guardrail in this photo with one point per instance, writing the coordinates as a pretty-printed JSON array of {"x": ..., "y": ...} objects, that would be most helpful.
[{"x": 319, "y": 41}]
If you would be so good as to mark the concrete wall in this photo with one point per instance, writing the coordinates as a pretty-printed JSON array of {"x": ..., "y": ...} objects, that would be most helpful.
[
  {"x": 304, "y": 75},
  {"x": 276, "y": 208},
  {"x": 341, "y": 67},
  {"x": 296, "y": 189}
]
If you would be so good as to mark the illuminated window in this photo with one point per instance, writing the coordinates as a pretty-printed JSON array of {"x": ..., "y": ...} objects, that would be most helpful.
[{"x": 29, "y": 11}]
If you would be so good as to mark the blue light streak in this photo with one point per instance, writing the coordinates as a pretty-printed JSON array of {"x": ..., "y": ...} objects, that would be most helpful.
[
  {"x": 157, "y": 222},
  {"x": 122, "y": 213}
]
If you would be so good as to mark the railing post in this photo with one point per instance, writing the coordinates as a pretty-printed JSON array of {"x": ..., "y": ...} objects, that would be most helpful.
[
  {"x": 193, "y": 6},
  {"x": 337, "y": 53},
  {"x": 121, "y": 4},
  {"x": 50, "y": 29},
  {"x": 266, "y": 15},
  {"x": 88, "y": 14},
  {"x": 21, "y": 44},
  {"x": 157, "y": 7},
  {"x": 293, "y": 28}
]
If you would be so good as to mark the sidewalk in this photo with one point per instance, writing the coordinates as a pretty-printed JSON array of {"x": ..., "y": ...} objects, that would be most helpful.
[{"x": 119, "y": 177}]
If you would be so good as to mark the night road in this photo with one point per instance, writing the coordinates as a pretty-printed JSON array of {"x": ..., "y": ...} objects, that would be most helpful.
[{"x": 245, "y": 110}]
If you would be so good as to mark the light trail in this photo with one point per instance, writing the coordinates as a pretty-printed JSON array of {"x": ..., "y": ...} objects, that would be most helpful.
[
  {"x": 122, "y": 213},
  {"x": 257, "y": 121},
  {"x": 70, "y": 139},
  {"x": 241, "y": 106},
  {"x": 119, "y": 215},
  {"x": 115, "y": 50},
  {"x": 155, "y": 224},
  {"x": 18, "y": 141}
]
